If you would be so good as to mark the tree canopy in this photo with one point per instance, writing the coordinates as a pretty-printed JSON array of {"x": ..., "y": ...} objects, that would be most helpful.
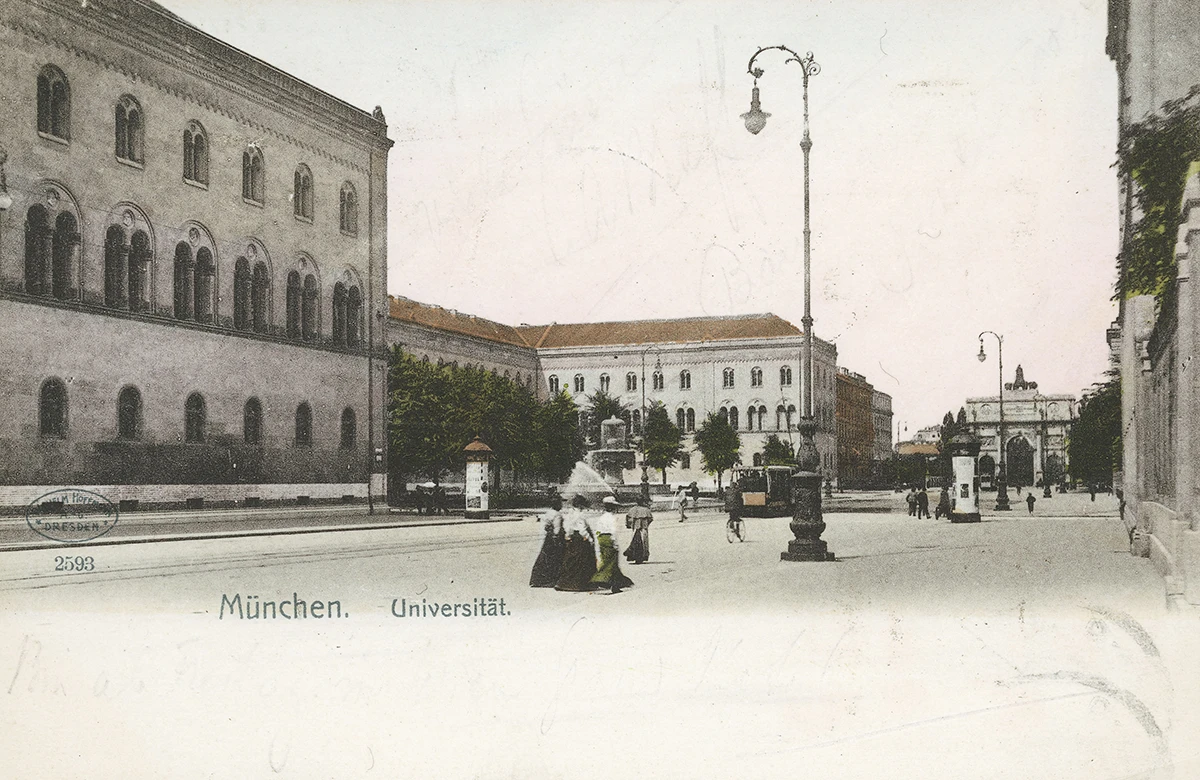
[
  {"x": 664, "y": 440},
  {"x": 1095, "y": 443},
  {"x": 777, "y": 452},
  {"x": 718, "y": 444}
]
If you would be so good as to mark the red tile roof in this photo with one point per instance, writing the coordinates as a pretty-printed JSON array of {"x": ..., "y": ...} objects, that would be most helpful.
[
  {"x": 691, "y": 329},
  {"x": 453, "y": 321}
]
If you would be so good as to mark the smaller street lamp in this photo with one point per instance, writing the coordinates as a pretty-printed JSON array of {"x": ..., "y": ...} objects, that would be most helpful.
[{"x": 642, "y": 431}]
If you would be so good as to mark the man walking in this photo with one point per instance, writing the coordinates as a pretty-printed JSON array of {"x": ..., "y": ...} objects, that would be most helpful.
[
  {"x": 1029, "y": 499},
  {"x": 911, "y": 500},
  {"x": 923, "y": 504}
]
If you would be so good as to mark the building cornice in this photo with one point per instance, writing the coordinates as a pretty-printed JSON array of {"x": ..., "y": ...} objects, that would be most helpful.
[{"x": 208, "y": 59}]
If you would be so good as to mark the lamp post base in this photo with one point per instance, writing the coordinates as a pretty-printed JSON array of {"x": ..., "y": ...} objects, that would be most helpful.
[{"x": 807, "y": 524}]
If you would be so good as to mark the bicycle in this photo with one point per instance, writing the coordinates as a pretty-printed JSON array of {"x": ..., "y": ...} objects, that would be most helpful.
[{"x": 735, "y": 528}]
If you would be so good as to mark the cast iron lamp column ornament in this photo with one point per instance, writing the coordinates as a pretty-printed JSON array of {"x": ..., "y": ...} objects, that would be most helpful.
[
  {"x": 1002, "y": 476},
  {"x": 1045, "y": 477},
  {"x": 806, "y": 525}
]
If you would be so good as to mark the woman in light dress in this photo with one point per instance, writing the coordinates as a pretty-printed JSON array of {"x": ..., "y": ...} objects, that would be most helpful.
[{"x": 579, "y": 552}]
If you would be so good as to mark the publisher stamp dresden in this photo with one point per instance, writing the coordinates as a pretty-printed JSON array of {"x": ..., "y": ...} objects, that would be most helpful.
[{"x": 71, "y": 515}]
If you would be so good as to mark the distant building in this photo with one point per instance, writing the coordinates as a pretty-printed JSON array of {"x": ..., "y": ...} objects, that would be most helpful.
[
  {"x": 881, "y": 414},
  {"x": 855, "y": 429},
  {"x": 1036, "y": 427},
  {"x": 745, "y": 368}
]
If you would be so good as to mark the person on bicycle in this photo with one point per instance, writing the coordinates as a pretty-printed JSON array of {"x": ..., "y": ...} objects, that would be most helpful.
[{"x": 733, "y": 502}]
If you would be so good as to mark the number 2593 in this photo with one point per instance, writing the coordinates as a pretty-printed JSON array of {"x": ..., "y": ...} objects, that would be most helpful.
[{"x": 77, "y": 563}]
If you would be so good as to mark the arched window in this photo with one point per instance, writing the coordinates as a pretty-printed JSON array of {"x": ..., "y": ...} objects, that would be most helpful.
[
  {"x": 252, "y": 422},
  {"x": 52, "y": 409},
  {"x": 353, "y": 317},
  {"x": 184, "y": 271},
  {"x": 63, "y": 253},
  {"x": 139, "y": 271},
  {"x": 691, "y": 420},
  {"x": 780, "y": 415},
  {"x": 302, "y": 193},
  {"x": 657, "y": 379},
  {"x": 756, "y": 377},
  {"x": 685, "y": 380},
  {"x": 129, "y": 414},
  {"x": 604, "y": 383},
  {"x": 339, "y": 313},
  {"x": 253, "y": 175},
  {"x": 53, "y": 103},
  {"x": 785, "y": 376},
  {"x": 762, "y": 417},
  {"x": 630, "y": 382},
  {"x": 303, "y": 425},
  {"x": 552, "y": 381},
  {"x": 727, "y": 378},
  {"x": 129, "y": 130},
  {"x": 260, "y": 293},
  {"x": 294, "y": 295},
  {"x": 681, "y": 419},
  {"x": 733, "y": 417},
  {"x": 579, "y": 384},
  {"x": 195, "y": 153},
  {"x": 38, "y": 246},
  {"x": 195, "y": 415},
  {"x": 750, "y": 418},
  {"x": 791, "y": 416},
  {"x": 241, "y": 294},
  {"x": 308, "y": 311},
  {"x": 637, "y": 421},
  {"x": 205, "y": 286},
  {"x": 723, "y": 413},
  {"x": 348, "y": 210},
  {"x": 349, "y": 429},
  {"x": 758, "y": 459},
  {"x": 116, "y": 254}
]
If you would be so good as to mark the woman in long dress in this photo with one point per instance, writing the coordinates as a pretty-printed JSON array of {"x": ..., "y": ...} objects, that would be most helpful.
[
  {"x": 579, "y": 555},
  {"x": 548, "y": 565},
  {"x": 638, "y": 521},
  {"x": 608, "y": 568}
]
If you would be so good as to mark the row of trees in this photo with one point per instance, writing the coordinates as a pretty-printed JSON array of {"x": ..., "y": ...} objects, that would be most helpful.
[
  {"x": 433, "y": 411},
  {"x": 1095, "y": 445}
]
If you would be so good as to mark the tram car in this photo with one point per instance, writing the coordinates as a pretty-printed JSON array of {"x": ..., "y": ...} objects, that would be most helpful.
[{"x": 766, "y": 490}]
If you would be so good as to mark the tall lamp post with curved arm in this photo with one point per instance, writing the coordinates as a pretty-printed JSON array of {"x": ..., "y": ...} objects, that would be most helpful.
[
  {"x": 1002, "y": 477},
  {"x": 807, "y": 525}
]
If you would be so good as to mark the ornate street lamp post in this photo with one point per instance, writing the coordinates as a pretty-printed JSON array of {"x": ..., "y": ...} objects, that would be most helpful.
[
  {"x": 1002, "y": 476},
  {"x": 806, "y": 525},
  {"x": 1045, "y": 432}
]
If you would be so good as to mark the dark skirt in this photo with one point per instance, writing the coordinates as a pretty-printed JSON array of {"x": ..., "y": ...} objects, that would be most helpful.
[
  {"x": 548, "y": 565},
  {"x": 638, "y": 550},
  {"x": 578, "y": 564},
  {"x": 608, "y": 574}
]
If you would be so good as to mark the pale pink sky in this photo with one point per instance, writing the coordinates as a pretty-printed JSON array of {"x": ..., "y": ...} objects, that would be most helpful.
[{"x": 582, "y": 161}]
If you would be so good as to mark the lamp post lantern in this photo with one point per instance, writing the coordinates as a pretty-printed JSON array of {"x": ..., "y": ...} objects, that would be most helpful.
[
  {"x": 807, "y": 525},
  {"x": 1002, "y": 475}
]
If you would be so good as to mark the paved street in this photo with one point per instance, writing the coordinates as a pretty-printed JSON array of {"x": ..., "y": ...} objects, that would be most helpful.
[{"x": 1019, "y": 647}]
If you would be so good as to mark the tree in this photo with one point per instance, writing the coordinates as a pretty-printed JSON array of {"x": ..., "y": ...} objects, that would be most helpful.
[
  {"x": 777, "y": 452},
  {"x": 560, "y": 442},
  {"x": 1095, "y": 442},
  {"x": 718, "y": 444},
  {"x": 663, "y": 440},
  {"x": 601, "y": 406}
]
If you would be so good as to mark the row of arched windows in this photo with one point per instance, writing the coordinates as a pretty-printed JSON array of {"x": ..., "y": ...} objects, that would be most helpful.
[
  {"x": 52, "y": 418},
  {"x": 52, "y": 252},
  {"x": 54, "y": 121},
  {"x": 685, "y": 380},
  {"x": 756, "y": 417}
]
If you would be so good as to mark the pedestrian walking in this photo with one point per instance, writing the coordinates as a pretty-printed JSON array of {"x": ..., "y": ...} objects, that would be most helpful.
[
  {"x": 1092, "y": 490},
  {"x": 911, "y": 500},
  {"x": 579, "y": 554},
  {"x": 608, "y": 567},
  {"x": 638, "y": 520},
  {"x": 548, "y": 566},
  {"x": 944, "y": 506},
  {"x": 1029, "y": 499},
  {"x": 681, "y": 499},
  {"x": 922, "y": 504},
  {"x": 694, "y": 495}
]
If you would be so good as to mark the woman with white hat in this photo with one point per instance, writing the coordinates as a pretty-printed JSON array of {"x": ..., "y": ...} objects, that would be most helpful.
[{"x": 608, "y": 569}]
